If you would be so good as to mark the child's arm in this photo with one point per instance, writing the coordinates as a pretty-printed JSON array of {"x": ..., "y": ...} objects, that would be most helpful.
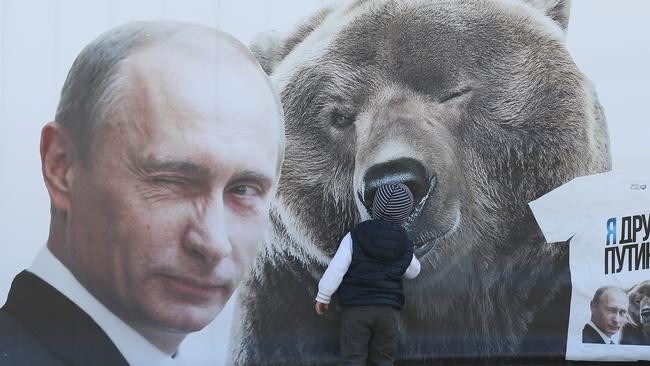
[
  {"x": 337, "y": 268},
  {"x": 413, "y": 269}
]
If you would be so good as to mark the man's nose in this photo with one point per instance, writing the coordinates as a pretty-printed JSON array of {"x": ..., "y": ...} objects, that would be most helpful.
[
  {"x": 618, "y": 319},
  {"x": 208, "y": 235}
]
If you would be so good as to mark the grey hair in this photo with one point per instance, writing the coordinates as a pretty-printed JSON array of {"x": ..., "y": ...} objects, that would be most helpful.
[
  {"x": 94, "y": 85},
  {"x": 599, "y": 293}
]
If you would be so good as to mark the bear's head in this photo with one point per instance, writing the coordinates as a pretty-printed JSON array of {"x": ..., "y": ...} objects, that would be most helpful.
[
  {"x": 639, "y": 309},
  {"x": 475, "y": 105}
]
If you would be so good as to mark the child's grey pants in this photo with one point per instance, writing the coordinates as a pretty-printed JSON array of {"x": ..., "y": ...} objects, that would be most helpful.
[{"x": 368, "y": 335}]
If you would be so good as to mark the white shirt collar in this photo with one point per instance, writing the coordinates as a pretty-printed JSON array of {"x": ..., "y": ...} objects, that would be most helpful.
[
  {"x": 134, "y": 347},
  {"x": 607, "y": 339}
]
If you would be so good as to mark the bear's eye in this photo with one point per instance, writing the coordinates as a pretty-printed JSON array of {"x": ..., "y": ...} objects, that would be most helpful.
[
  {"x": 456, "y": 94},
  {"x": 341, "y": 120}
]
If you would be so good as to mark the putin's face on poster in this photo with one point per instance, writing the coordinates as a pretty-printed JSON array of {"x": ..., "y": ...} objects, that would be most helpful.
[{"x": 160, "y": 167}]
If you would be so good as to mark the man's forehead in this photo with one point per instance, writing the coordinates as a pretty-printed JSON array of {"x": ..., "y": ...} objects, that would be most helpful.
[
  {"x": 612, "y": 295},
  {"x": 198, "y": 44},
  {"x": 203, "y": 85},
  {"x": 202, "y": 79}
]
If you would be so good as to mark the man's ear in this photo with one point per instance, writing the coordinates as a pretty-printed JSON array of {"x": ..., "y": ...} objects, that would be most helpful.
[
  {"x": 592, "y": 306},
  {"x": 57, "y": 154}
]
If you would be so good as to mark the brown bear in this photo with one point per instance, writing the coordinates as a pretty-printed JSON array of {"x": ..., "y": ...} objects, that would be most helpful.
[
  {"x": 637, "y": 329},
  {"x": 475, "y": 105}
]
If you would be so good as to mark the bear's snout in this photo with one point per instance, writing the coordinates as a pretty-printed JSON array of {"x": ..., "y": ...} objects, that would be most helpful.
[{"x": 404, "y": 170}]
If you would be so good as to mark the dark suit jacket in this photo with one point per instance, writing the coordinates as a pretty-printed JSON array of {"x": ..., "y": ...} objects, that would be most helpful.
[
  {"x": 590, "y": 335},
  {"x": 40, "y": 326}
]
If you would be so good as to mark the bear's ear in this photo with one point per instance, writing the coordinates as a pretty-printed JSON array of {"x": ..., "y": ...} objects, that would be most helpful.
[
  {"x": 266, "y": 47},
  {"x": 558, "y": 10},
  {"x": 271, "y": 47}
]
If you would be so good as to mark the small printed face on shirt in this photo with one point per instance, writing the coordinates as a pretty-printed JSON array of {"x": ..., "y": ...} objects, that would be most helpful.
[
  {"x": 172, "y": 209},
  {"x": 609, "y": 314}
]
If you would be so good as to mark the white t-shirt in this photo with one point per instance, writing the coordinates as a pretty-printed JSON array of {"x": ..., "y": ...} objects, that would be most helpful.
[{"x": 607, "y": 218}]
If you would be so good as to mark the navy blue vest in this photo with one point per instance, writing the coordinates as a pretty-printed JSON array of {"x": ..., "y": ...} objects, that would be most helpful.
[{"x": 381, "y": 252}]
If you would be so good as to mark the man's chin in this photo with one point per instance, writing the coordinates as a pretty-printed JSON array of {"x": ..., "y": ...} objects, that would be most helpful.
[
  {"x": 183, "y": 317},
  {"x": 189, "y": 321}
]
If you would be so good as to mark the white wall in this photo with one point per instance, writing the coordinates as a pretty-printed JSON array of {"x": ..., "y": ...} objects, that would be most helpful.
[
  {"x": 610, "y": 42},
  {"x": 39, "y": 40}
]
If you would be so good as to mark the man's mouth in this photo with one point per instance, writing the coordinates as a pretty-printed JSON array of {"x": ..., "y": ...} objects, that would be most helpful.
[{"x": 190, "y": 287}]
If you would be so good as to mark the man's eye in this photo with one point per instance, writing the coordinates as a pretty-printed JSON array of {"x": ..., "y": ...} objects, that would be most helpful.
[{"x": 246, "y": 190}]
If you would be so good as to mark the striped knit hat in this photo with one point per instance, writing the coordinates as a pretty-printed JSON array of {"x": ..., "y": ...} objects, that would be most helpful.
[{"x": 393, "y": 202}]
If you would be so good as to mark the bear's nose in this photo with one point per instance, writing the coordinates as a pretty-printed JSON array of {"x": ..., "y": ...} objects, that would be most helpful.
[{"x": 405, "y": 170}]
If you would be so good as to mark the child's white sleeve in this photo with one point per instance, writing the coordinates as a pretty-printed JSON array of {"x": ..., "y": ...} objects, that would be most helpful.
[
  {"x": 335, "y": 271},
  {"x": 413, "y": 269}
]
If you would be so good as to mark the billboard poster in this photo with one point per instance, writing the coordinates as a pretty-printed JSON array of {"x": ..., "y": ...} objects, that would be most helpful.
[{"x": 479, "y": 107}]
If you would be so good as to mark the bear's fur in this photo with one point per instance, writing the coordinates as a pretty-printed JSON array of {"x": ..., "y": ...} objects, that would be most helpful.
[
  {"x": 478, "y": 107},
  {"x": 637, "y": 329}
]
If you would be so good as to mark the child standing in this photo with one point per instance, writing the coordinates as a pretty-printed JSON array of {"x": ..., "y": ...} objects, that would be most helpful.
[{"x": 367, "y": 270}]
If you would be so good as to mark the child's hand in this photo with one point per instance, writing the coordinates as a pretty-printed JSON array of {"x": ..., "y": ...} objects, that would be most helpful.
[{"x": 321, "y": 308}]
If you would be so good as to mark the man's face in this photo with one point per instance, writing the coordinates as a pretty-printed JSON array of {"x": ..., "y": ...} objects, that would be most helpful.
[
  {"x": 170, "y": 211},
  {"x": 609, "y": 314}
]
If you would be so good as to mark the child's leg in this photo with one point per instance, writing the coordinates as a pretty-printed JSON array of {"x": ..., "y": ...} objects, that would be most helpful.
[
  {"x": 355, "y": 333},
  {"x": 383, "y": 341}
]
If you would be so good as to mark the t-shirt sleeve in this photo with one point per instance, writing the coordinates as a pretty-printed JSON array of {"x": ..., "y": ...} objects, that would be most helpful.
[{"x": 557, "y": 212}]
